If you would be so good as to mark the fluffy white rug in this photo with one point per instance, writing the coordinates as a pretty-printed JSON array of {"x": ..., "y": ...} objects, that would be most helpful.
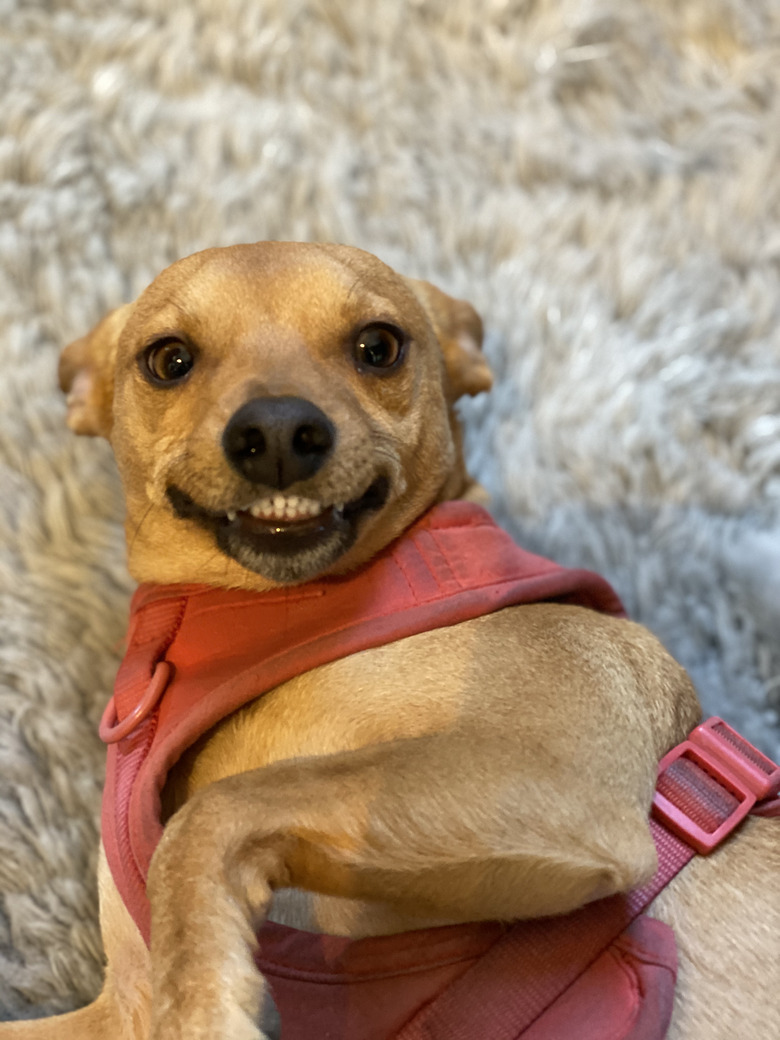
[{"x": 598, "y": 176}]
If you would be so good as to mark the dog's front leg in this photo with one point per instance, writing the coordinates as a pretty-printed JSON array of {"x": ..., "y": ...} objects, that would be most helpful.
[
  {"x": 450, "y": 827},
  {"x": 203, "y": 923}
]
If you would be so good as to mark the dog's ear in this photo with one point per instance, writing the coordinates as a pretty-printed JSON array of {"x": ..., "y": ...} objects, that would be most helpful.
[
  {"x": 460, "y": 333},
  {"x": 87, "y": 375}
]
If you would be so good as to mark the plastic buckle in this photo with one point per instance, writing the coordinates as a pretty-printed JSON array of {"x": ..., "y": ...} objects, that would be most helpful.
[
  {"x": 760, "y": 773},
  {"x": 749, "y": 778}
]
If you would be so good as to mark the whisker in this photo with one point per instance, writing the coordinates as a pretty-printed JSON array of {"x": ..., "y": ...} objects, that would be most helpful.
[{"x": 132, "y": 540}]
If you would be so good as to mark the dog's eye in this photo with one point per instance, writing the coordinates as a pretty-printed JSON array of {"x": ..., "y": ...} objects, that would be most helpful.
[
  {"x": 379, "y": 346},
  {"x": 167, "y": 361}
]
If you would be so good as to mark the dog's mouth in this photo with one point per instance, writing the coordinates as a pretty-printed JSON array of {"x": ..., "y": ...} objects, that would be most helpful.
[{"x": 286, "y": 538}]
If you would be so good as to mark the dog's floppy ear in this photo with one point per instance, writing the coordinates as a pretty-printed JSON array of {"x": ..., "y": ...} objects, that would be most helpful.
[
  {"x": 87, "y": 375},
  {"x": 460, "y": 332}
]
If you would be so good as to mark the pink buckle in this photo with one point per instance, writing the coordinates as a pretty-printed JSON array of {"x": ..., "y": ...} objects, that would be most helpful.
[
  {"x": 746, "y": 774},
  {"x": 759, "y": 773},
  {"x": 111, "y": 731}
]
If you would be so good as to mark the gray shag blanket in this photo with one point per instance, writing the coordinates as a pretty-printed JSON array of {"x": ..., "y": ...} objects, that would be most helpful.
[{"x": 599, "y": 177}]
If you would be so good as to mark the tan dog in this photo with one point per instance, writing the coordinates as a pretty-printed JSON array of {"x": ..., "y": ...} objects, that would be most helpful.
[{"x": 515, "y": 753}]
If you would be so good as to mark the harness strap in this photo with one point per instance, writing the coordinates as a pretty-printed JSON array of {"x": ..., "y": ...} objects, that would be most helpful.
[
  {"x": 705, "y": 787},
  {"x": 769, "y": 808},
  {"x": 129, "y": 721}
]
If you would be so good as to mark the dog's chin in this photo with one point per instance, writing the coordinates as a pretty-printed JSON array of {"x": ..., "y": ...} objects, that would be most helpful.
[{"x": 282, "y": 549}]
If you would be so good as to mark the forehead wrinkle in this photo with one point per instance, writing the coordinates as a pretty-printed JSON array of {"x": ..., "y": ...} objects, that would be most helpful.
[
  {"x": 170, "y": 315},
  {"x": 308, "y": 301},
  {"x": 352, "y": 291}
]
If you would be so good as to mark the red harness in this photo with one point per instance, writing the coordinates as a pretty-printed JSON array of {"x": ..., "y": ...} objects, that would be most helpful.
[{"x": 195, "y": 654}]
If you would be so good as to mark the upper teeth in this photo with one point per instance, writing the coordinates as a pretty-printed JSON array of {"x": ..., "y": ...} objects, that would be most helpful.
[{"x": 284, "y": 507}]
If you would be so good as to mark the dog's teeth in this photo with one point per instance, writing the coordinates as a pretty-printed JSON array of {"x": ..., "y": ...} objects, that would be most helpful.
[
  {"x": 281, "y": 508},
  {"x": 231, "y": 515},
  {"x": 261, "y": 508}
]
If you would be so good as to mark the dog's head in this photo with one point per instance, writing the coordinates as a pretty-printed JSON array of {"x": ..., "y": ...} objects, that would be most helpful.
[{"x": 278, "y": 411}]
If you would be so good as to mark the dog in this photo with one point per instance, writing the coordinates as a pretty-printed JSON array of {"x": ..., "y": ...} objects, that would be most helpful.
[{"x": 281, "y": 414}]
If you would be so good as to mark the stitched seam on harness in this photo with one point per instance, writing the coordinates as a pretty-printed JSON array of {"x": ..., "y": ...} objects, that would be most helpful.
[
  {"x": 635, "y": 982},
  {"x": 409, "y": 585},
  {"x": 443, "y": 558},
  {"x": 284, "y": 970}
]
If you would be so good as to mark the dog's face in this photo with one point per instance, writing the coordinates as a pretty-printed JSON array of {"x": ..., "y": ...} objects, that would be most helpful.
[{"x": 277, "y": 411}]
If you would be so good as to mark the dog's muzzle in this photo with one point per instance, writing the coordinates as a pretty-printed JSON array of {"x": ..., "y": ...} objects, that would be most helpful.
[{"x": 275, "y": 443}]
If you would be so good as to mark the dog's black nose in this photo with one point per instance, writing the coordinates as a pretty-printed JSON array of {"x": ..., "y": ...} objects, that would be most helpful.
[{"x": 278, "y": 440}]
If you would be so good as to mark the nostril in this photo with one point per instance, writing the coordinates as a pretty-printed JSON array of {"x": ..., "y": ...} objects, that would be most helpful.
[
  {"x": 312, "y": 439},
  {"x": 244, "y": 442},
  {"x": 254, "y": 441}
]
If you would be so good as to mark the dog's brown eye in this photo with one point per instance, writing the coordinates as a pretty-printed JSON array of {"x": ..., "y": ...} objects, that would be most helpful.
[
  {"x": 168, "y": 361},
  {"x": 379, "y": 346}
]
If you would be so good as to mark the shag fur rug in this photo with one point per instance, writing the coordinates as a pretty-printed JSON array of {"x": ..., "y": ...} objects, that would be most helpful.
[{"x": 599, "y": 177}]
